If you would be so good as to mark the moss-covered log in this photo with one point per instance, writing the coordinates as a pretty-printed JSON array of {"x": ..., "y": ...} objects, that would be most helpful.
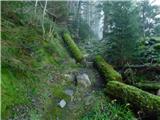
[
  {"x": 73, "y": 47},
  {"x": 143, "y": 68},
  {"x": 107, "y": 70},
  {"x": 148, "y": 85},
  {"x": 133, "y": 95}
]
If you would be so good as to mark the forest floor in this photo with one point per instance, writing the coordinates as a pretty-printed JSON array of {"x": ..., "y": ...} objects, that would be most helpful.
[{"x": 81, "y": 97}]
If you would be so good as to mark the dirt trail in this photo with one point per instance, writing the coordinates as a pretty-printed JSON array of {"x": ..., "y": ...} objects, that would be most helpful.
[{"x": 83, "y": 98}]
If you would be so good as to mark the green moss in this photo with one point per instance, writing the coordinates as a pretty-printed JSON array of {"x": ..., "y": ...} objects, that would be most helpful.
[
  {"x": 73, "y": 47},
  {"x": 136, "y": 96},
  {"x": 53, "y": 110},
  {"x": 27, "y": 63},
  {"x": 157, "y": 46},
  {"x": 58, "y": 91},
  {"x": 13, "y": 92},
  {"x": 107, "y": 70}
]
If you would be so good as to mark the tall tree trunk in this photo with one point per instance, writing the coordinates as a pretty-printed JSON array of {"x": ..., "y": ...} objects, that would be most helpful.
[{"x": 78, "y": 19}]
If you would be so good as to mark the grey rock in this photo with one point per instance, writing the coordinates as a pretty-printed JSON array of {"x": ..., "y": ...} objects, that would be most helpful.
[
  {"x": 69, "y": 92},
  {"x": 62, "y": 103},
  {"x": 89, "y": 64},
  {"x": 69, "y": 77},
  {"x": 158, "y": 92},
  {"x": 86, "y": 55},
  {"x": 73, "y": 61},
  {"x": 83, "y": 79},
  {"x": 79, "y": 99}
]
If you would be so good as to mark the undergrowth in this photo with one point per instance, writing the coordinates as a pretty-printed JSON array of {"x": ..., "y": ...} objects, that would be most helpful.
[
  {"x": 28, "y": 59},
  {"x": 105, "y": 109}
]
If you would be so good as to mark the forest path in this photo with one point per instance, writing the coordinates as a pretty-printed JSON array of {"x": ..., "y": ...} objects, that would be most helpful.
[
  {"x": 84, "y": 97},
  {"x": 79, "y": 98}
]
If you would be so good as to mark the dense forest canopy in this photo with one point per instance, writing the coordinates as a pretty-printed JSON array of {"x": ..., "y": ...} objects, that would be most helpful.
[{"x": 80, "y": 60}]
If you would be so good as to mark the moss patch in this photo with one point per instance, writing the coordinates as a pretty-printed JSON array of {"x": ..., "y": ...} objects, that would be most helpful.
[
  {"x": 53, "y": 111},
  {"x": 12, "y": 92}
]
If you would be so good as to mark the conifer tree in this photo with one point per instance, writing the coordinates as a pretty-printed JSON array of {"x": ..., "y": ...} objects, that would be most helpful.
[{"x": 121, "y": 30}]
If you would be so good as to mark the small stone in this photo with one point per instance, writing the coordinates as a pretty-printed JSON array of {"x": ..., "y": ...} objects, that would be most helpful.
[
  {"x": 79, "y": 99},
  {"x": 69, "y": 92},
  {"x": 88, "y": 100},
  {"x": 158, "y": 92},
  {"x": 69, "y": 77},
  {"x": 86, "y": 55},
  {"x": 62, "y": 103}
]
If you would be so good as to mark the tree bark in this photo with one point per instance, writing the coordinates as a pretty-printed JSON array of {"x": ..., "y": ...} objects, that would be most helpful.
[{"x": 49, "y": 13}]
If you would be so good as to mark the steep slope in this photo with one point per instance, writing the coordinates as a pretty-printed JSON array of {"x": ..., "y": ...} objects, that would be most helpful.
[{"x": 28, "y": 61}]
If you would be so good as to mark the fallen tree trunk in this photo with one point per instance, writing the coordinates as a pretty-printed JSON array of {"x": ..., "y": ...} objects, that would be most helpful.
[
  {"x": 148, "y": 85},
  {"x": 73, "y": 47},
  {"x": 147, "y": 67},
  {"x": 107, "y": 70},
  {"x": 135, "y": 96}
]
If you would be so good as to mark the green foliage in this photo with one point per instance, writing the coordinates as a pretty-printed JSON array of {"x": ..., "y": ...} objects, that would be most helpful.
[
  {"x": 137, "y": 97},
  {"x": 148, "y": 18},
  {"x": 157, "y": 30},
  {"x": 73, "y": 47},
  {"x": 59, "y": 9},
  {"x": 12, "y": 91},
  {"x": 104, "y": 109},
  {"x": 120, "y": 30},
  {"x": 84, "y": 31},
  {"x": 157, "y": 46},
  {"x": 148, "y": 50},
  {"x": 94, "y": 47},
  {"x": 107, "y": 70}
]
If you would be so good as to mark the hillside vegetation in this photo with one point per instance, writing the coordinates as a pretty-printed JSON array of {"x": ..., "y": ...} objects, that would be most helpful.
[
  {"x": 29, "y": 62},
  {"x": 56, "y": 65}
]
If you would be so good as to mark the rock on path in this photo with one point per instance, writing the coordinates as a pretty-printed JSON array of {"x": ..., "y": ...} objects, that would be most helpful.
[{"x": 83, "y": 79}]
